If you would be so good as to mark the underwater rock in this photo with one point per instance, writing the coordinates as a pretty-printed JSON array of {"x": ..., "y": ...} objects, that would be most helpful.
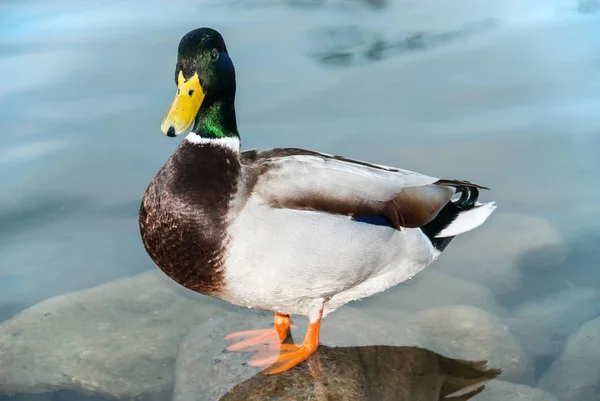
[
  {"x": 506, "y": 245},
  {"x": 351, "y": 326},
  {"x": 575, "y": 374},
  {"x": 498, "y": 390},
  {"x": 429, "y": 289},
  {"x": 205, "y": 372},
  {"x": 466, "y": 332},
  {"x": 116, "y": 340},
  {"x": 543, "y": 326}
]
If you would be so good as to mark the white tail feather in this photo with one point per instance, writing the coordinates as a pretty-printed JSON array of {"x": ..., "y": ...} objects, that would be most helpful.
[{"x": 468, "y": 220}]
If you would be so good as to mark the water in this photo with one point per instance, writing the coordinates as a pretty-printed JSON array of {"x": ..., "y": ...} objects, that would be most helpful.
[{"x": 500, "y": 93}]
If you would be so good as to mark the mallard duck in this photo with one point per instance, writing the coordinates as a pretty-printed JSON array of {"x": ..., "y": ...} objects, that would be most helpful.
[{"x": 287, "y": 230}]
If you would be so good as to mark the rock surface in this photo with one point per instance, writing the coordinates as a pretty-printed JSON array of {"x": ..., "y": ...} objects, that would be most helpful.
[
  {"x": 466, "y": 332},
  {"x": 499, "y": 390},
  {"x": 204, "y": 372},
  {"x": 510, "y": 242},
  {"x": 116, "y": 340},
  {"x": 543, "y": 326},
  {"x": 455, "y": 331},
  {"x": 134, "y": 327},
  {"x": 428, "y": 289},
  {"x": 575, "y": 375},
  {"x": 370, "y": 373}
]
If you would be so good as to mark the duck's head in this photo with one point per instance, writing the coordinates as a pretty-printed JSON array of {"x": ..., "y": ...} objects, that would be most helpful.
[{"x": 204, "y": 75}]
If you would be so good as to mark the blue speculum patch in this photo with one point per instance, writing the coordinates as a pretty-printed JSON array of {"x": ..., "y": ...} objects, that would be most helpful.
[{"x": 375, "y": 220}]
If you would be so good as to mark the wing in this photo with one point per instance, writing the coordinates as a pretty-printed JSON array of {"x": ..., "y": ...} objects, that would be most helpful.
[{"x": 301, "y": 179}]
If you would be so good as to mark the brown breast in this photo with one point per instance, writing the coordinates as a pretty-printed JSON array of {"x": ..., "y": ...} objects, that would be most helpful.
[{"x": 183, "y": 215}]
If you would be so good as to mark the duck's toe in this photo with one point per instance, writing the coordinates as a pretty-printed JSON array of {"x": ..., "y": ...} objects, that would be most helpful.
[
  {"x": 255, "y": 340},
  {"x": 286, "y": 356},
  {"x": 289, "y": 355}
]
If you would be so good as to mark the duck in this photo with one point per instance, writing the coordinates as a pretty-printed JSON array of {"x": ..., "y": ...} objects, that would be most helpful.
[{"x": 285, "y": 230}]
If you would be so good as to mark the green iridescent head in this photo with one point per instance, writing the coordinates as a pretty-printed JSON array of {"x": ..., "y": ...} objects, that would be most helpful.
[{"x": 205, "y": 79}]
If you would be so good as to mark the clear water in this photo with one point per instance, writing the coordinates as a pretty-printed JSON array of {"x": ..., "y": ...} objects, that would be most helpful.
[{"x": 505, "y": 94}]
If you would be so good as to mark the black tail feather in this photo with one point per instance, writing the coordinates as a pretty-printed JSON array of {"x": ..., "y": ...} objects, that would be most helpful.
[{"x": 469, "y": 193}]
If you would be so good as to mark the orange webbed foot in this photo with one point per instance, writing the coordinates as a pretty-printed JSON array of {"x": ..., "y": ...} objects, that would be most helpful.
[
  {"x": 289, "y": 356},
  {"x": 285, "y": 356},
  {"x": 255, "y": 340}
]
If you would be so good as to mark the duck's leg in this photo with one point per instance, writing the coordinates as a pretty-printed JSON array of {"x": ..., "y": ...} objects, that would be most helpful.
[
  {"x": 291, "y": 354},
  {"x": 252, "y": 340}
]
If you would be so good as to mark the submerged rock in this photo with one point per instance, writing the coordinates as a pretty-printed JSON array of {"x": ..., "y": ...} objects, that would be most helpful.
[
  {"x": 117, "y": 340},
  {"x": 454, "y": 331},
  {"x": 575, "y": 375},
  {"x": 432, "y": 288},
  {"x": 499, "y": 390},
  {"x": 467, "y": 332},
  {"x": 543, "y": 326},
  {"x": 205, "y": 372},
  {"x": 506, "y": 244}
]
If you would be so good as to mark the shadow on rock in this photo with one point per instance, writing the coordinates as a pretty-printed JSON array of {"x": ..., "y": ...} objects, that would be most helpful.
[{"x": 370, "y": 373}]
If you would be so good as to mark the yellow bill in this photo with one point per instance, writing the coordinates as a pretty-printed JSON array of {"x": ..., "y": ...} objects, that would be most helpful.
[{"x": 185, "y": 107}]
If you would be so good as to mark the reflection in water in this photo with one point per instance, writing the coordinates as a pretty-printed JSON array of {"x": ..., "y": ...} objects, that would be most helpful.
[
  {"x": 377, "y": 4},
  {"x": 370, "y": 373},
  {"x": 588, "y": 6},
  {"x": 351, "y": 45}
]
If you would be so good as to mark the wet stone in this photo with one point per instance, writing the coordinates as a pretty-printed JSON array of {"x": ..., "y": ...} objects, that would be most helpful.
[
  {"x": 466, "y": 332},
  {"x": 115, "y": 341},
  {"x": 542, "y": 326},
  {"x": 499, "y": 390},
  {"x": 513, "y": 244},
  {"x": 575, "y": 374},
  {"x": 428, "y": 289},
  {"x": 337, "y": 373}
]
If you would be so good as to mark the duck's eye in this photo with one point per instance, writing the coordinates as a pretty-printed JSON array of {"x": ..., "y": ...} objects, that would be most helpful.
[{"x": 214, "y": 54}]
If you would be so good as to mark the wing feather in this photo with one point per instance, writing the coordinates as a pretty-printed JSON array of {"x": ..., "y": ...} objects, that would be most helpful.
[{"x": 300, "y": 179}]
